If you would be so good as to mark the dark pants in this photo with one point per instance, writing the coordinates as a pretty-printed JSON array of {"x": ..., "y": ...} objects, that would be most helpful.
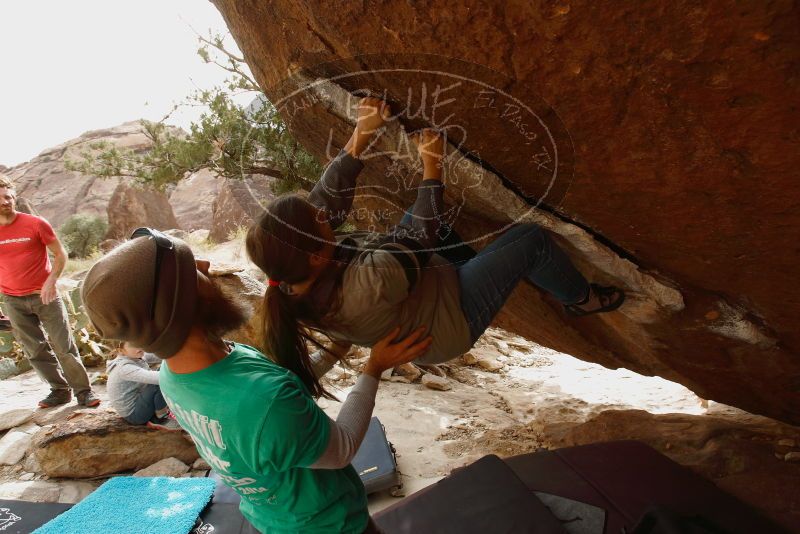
[
  {"x": 31, "y": 320},
  {"x": 150, "y": 399},
  {"x": 488, "y": 277}
]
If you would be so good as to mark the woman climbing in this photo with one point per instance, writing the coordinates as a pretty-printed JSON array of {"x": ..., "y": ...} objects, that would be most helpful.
[{"x": 356, "y": 292}]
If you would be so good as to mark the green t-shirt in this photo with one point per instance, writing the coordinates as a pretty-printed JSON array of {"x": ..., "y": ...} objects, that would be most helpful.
[{"x": 256, "y": 425}]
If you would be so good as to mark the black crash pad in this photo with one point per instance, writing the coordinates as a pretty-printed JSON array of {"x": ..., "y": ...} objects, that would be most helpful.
[
  {"x": 485, "y": 496},
  {"x": 627, "y": 478},
  {"x": 23, "y": 517}
]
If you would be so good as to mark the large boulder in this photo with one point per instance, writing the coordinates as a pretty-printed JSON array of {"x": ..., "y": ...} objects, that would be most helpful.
[
  {"x": 747, "y": 456},
  {"x": 99, "y": 442},
  {"x": 46, "y": 188},
  {"x": 658, "y": 141},
  {"x": 131, "y": 207},
  {"x": 250, "y": 292},
  {"x": 57, "y": 193},
  {"x": 193, "y": 199},
  {"x": 238, "y": 203}
]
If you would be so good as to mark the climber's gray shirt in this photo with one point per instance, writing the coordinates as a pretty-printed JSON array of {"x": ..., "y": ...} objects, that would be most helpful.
[{"x": 398, "y": 281}]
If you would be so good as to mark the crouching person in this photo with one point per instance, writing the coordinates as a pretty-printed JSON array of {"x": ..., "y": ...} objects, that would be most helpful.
[
  {"x": 133, "y": 388},
  {"x": 254, "y": 421}
]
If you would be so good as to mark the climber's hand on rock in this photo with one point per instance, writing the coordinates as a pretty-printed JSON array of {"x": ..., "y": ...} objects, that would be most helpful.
[
  {"x": 430, "y": 146},
  {"x": 372, "y": 114}
]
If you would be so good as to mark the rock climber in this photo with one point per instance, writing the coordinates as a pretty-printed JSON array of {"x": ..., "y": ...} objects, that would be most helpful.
[{"x": 355, "y": 293}]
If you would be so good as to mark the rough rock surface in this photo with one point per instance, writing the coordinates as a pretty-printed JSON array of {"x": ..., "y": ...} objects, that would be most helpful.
[
  {"x": 15, "y": 442},
  {"x": 16, "y": 417},
  {"x": 487, "y": 358},
  {"x": 168, "y": 467},
  {"x": 237, "y": 204},
  {"x": 675, "y": 127},
  {"x": 46, "y": 188},
  {"x": 96, "y": 443},
  {"x": 192, "y": 200},
  {"x": 249, "y": 292},
  {"x": 435, "y": 382},
  {"x": 743, "y": 457},
  {"x": 57, "y": 193},
  {"x": 131, "y": 207}
]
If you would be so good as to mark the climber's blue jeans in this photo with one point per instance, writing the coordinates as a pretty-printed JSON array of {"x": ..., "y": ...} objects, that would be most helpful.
[{"x": 488, "y": 277}]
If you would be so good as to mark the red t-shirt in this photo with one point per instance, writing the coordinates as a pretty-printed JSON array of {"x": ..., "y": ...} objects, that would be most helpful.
[{"x": 24, "y": 263}]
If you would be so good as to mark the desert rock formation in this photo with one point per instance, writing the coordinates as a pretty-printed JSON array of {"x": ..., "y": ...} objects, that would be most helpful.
[
  {"x": 57, "y": 193},
  {"x": 202, "y": 200},
  {"x": 671, "y": 129},
  {"x": 131, "y": 207},
  {"x": 238, "y": 203}
]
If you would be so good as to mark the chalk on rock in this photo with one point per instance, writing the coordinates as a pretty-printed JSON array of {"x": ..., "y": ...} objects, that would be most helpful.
[
  {"x": 168, "y": 467},
  {"x": 793, "y": 456},
  {"x": 435, "y": 382},
  {"x": 788, "y": 442}
]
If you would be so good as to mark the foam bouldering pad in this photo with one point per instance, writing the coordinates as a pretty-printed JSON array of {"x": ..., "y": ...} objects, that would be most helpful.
[
  {"x": 223, "y": 518},
  {"x": 223, "y": 494},
  {"x": 626, "y": 478},
  {"x": 485, "y": 496},
  {"x": 23, "y": 517}
]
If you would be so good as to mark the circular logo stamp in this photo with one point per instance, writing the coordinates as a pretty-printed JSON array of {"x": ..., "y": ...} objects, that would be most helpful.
[{"x": 499, "y": 135}]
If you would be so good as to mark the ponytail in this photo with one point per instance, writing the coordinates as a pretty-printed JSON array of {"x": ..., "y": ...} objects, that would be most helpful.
[
  {"x": 286, "y": 340},
  {"x": 280, "y": 244}
]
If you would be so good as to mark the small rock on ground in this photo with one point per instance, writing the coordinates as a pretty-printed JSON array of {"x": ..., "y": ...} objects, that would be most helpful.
[
  {"x": 168, "y": 467},
  {"x": 485, "y": 357},
  {"x": 435, "y": 382},
  {"x": 201, "y": 464},
  {"x": 14, "y": 418},
  {"x": 15, "y": 443},
  {"x": 409, "y": 371}
]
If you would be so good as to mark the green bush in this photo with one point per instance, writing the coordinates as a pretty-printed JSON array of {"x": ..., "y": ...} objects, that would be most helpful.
[{"x": 82, "y": 234}]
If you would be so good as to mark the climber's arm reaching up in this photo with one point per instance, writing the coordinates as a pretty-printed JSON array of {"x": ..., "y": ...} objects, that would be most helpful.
[
  {"x": 424, "y": 224},
  {"x": 334, "y": 192}
]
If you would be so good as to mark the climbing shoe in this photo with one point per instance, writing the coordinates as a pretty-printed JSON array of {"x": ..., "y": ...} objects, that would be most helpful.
[
  {"x": 88, "y": 398},
  {"x": 610, "y": 299},
  {"x": 56, "y": 398},
  {"x": 164, "y": 423}
]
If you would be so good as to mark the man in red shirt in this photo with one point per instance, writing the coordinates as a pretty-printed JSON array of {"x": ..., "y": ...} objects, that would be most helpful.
[{"x": 28, "y": 285}]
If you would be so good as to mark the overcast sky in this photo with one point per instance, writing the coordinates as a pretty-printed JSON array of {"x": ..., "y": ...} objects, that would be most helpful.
[{"x": 67, "y": 67}]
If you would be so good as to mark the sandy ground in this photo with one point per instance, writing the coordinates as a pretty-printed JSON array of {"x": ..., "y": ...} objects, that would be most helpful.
[
  {"x": 436, "y": 431},
  {"x": 496, "y": 412}
]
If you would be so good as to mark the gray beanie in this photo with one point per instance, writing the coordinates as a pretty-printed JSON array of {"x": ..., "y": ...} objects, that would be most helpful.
[{"x": 119, "y": 289}]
